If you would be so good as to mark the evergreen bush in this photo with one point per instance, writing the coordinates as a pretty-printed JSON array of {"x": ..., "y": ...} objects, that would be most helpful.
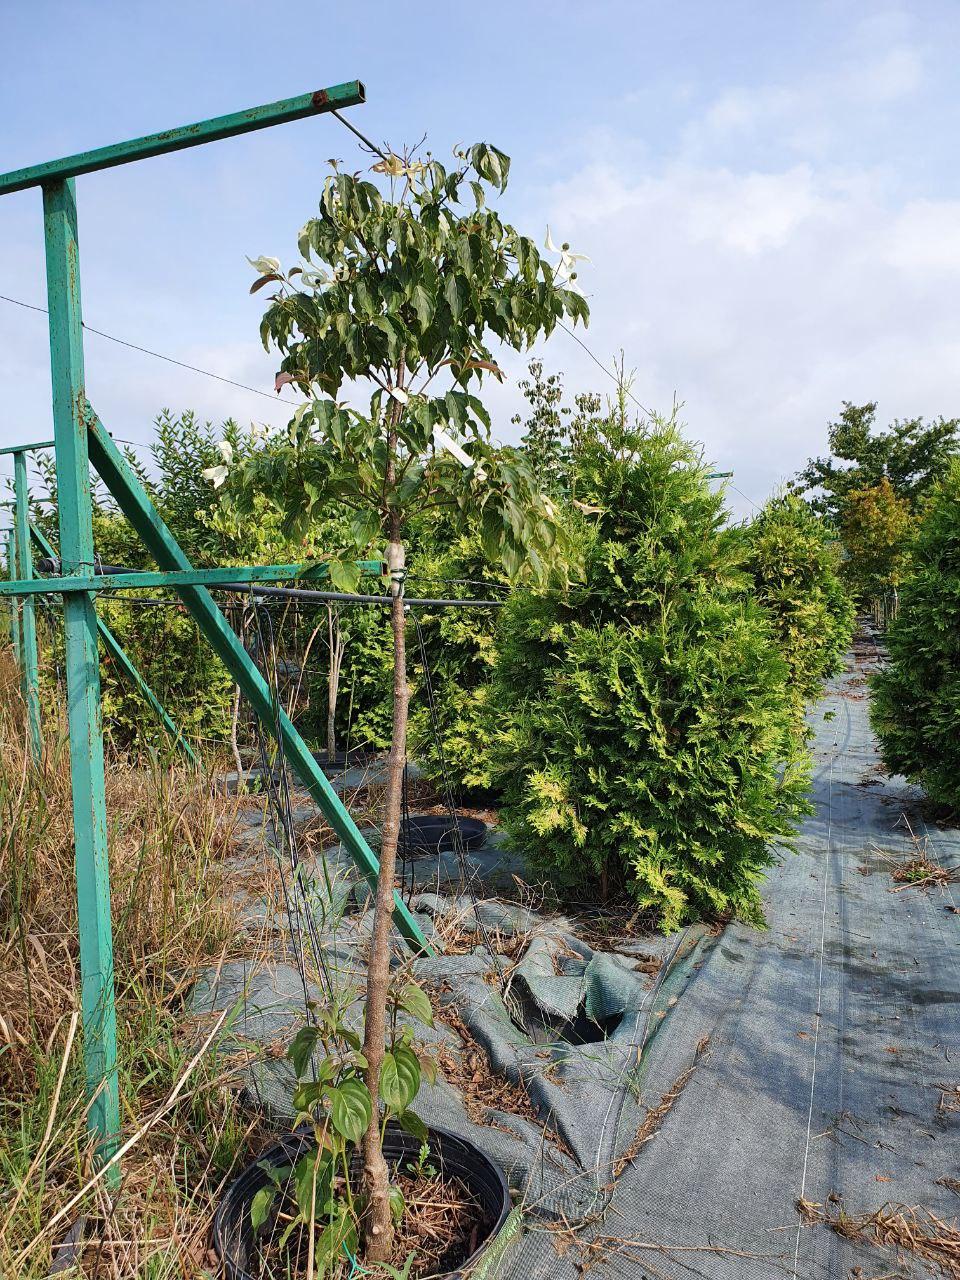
[
  {"x": 646, "y": 739},
  {"x": 460, "y": 645},
  {"x": 916, "y": 700},
  {"x": 793, "y": 560}
]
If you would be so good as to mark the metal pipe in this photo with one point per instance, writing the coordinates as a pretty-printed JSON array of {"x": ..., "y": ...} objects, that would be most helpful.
[
  {"x": 50, "y": 564},
  {"x": 188, "y": 135}
]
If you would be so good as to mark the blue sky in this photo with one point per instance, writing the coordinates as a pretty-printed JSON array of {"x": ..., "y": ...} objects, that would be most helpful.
[{"x": 768, "y": 192}]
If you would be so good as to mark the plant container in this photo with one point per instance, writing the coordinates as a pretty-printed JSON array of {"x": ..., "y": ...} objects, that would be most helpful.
[
  {"x": 429, "y": 834},
  {"x": 236, "y": 1245}
]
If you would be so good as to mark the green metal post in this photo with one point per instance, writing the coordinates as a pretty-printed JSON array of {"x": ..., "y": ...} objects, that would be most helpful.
[
  {"x": 134, "y": 501},
  {"x": 30, "y": 671},
  {"x": 14, "y": 604},
  {"x": 119, "y": 655},
  {"x": 82, "y": 663}
]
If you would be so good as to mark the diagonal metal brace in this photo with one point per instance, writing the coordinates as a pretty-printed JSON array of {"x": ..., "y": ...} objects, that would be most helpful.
[
  {"x": 134, "y": 501},
  {"x": 119, "y": 655}
]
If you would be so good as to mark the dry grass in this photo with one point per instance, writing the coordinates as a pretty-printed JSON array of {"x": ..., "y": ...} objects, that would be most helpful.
[
  {"x": 903, "y": 1229},
  {"x": 182, "y": 1125},
  {"x": 652, "y": 1122},
  {"x": 920, "y": 870}
]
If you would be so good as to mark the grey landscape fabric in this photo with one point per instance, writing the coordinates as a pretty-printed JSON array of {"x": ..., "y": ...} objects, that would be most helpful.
[{"x": 688, "y": 1111}]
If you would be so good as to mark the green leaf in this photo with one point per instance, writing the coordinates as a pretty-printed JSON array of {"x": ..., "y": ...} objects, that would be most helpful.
[
  {"x": 399, "y": 1078},
  {"x": 422, "y": 305},
  {"x": 416, "y": 1002},
  {"x": 398, "y": 1204},
  {"x": 301, "y": 1049},
  {"x": 454, "y": 293},
  {"x": 351, "y": 1109},
  {"x": 312, "y": 1180},
  {"x": 260, "y": 1207},
  {"x": 410, "y": 1121},
  {"x": 344, "y": 575}
]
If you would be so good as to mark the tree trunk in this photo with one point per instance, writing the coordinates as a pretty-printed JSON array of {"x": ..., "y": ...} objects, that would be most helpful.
[{"x": 379, "y": 1224}]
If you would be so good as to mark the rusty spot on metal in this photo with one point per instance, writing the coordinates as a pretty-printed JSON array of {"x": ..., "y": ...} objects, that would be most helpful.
[{"x": 320, "y": 98}]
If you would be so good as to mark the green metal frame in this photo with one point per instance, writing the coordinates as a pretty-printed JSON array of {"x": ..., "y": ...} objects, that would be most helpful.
[
  {"x": 148, "y": 578},
  {"x": 30, "y": 664},
  {"x": 81, "y": 440},
  {"x": 119, "y": 655},
  {"x": 14, "y": 611}
]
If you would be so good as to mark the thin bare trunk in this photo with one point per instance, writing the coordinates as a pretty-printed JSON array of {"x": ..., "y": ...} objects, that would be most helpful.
[{"x": 379, "y": 1223}]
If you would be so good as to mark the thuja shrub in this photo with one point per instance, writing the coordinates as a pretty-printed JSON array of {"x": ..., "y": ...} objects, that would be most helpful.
[
  {"x": 647, "y": 740},
  {"x": 793, "y": 559},
  {"x": 460, "y": 647},
  {"x": 916, "y": 699}
]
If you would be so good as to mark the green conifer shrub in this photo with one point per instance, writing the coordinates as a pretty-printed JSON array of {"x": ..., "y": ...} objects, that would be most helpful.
[
  {"x": 646, "y": 740},
  {"x": 460, "y": 646},
  {"x": 793, "y": 560},
  {"x": 916, "y": 699}
]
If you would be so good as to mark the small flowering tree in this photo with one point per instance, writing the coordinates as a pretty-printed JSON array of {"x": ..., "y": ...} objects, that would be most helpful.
[{"x": 403, "y": 285}]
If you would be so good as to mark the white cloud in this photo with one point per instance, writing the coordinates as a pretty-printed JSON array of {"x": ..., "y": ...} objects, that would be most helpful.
[{"x": 763, "y": 300}]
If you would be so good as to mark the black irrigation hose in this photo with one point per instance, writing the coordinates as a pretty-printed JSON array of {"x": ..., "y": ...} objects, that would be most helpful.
[{"x": 48, "y": 565}]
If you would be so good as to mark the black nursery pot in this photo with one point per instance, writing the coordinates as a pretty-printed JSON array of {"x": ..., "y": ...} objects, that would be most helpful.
[
  {"x": 425, "y": 834},
  {"x": 453, "y": 1157}
]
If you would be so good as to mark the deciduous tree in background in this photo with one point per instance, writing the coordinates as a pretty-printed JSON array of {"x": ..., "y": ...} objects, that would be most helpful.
[
  {"x": 911, "y": 454},
  {"x": 877, "y": 526}
]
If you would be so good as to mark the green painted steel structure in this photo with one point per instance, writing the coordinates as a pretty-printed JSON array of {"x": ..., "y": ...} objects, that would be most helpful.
[
  {"x": 14, "y": 611},
  {"x": 189, "y": 135},
  {"x": 82, "y": 662},
  {"x": 80, "y": 439},
  {"x": 30, "y": 667},
  {"x": 27, "y": 448},
  {"x": 145, "y": 579},
  {"x": 119, "y": 655}
]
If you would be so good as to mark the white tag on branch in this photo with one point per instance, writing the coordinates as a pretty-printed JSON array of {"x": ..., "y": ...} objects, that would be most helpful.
[
  {"x": 398, "y": 394},
  {"x": 457, "y": 451}
]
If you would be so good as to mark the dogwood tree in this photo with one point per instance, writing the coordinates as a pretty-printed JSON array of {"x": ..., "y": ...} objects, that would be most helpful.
[{"x": 387, "y": 327}]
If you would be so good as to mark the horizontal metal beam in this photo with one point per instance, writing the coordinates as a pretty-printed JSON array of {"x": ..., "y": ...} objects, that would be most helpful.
[
  {"x": 26, "y": 448},
  {"x": 234, "y": 577},
  {"x": 188, "y": 135},
  {"x": 355, "y": 597}
]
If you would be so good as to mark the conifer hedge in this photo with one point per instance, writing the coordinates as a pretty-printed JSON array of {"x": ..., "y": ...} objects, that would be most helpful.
[
  {"x": 646, "y": 738},
  {"x": 793, "y": 559},
  {"x": 916, "y": 700}
]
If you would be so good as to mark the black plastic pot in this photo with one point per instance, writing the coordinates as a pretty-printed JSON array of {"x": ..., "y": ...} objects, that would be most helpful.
[
  {"x": 341, "y": 760},
  {"x": 452, "y": 1156},
  {"x": 424, "y": 834}
]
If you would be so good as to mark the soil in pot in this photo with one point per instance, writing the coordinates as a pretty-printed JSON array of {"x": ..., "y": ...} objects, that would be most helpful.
[{"x": 456, "y": 1202}]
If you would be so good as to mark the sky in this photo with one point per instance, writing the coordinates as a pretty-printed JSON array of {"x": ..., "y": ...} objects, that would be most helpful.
[{"x": 768, "y": 192}]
